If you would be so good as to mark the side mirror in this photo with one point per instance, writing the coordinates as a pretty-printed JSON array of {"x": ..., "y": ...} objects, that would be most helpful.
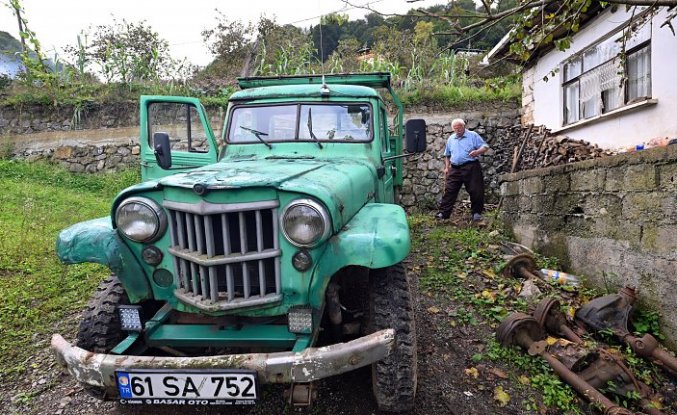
[
  {"x": 162, "y": 150},
  {"x": 414, "y": 132}
]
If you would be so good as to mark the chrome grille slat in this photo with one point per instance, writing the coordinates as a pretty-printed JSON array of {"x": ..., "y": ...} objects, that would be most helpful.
[
  {"x": 262, "y": 279},
  {"x": 245, "y": 280},
  {"x": 230, "y": 283},
  {"x": 276, "y": 246},
  {"x": 199, "y": 234},
  {"x": 213, "y": 285},
  {"x": 243, "y": 233},
  {"x": 193, "y": 278},
  {"x": 190, "y": 231},
  {"x": 225, "y": 255},
  {"x": 225, "y": 230},
  {"x": 203, "y": 281}
]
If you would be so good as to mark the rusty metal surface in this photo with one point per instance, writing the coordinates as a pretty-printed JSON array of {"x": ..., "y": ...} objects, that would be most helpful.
[
  {"x": 581, "y": 386},
  {"x": 648, "y": 347},
  {"x": 522, "y": 265},
  {"x": 573, "y": 355},
  {"x": 553, "y": 321},
  {"x": 519, "y": 329},
  {"x": 523, "y": 330},
  {"x": 608, "y": 312},
  {"x": 98, "y": 369},
  {"x": 612, "y": 312}
]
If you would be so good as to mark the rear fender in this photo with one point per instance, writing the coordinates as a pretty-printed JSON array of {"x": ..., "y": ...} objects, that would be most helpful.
[
  {"x": 376, "y": 237},
  {"x": 96, "y": 241}
]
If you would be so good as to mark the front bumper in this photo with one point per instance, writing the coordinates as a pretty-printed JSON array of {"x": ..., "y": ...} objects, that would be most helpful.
[{"x": 98, "y": 369}]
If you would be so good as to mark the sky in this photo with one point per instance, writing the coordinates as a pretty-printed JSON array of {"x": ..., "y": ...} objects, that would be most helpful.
[{"x": 57, "y": 23}]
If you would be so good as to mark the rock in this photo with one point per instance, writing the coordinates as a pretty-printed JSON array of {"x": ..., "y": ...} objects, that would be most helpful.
[
  {"x": 63, "y": 153},
  {"x": 529, "y": 290}
]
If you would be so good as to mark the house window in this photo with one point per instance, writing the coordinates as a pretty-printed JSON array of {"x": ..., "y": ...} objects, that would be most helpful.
[{"x": 597, "y": 80}]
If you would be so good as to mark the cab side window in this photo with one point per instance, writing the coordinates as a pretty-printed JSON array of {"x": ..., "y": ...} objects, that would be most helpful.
[{"x": 181, "y": 122}]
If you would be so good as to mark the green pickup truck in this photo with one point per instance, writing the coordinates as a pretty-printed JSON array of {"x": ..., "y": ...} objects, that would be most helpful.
[{"x": 270, "y": 256}]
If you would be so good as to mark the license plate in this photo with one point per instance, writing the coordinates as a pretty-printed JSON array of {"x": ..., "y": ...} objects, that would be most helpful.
[{"x": 188, "y": 388}]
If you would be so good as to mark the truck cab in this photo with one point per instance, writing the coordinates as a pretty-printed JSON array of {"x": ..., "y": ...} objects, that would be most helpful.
[{"x": 272, "y": 255}]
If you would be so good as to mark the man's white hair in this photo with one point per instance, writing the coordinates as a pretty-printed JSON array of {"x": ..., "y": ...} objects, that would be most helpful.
[{"x": 458, "y": 121}]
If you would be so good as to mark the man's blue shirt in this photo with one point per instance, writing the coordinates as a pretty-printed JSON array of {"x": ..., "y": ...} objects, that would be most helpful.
[{"x": 458, "y": 148}]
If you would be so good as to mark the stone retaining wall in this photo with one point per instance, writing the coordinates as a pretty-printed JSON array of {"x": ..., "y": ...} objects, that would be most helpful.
[
  {"x": 612, "y": 220},
  {"x": 37, "y": 133},
  {"x": 30, "y": 119},
  {"x": 423, "y": 185}
]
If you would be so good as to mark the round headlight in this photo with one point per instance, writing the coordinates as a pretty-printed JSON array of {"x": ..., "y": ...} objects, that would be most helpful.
[
  {"x": 141, "y": 219},
  {"x": 305, "y": 222}
]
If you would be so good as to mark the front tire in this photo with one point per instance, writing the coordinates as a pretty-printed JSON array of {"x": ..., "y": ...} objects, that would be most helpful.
[
  {"x": 100, "y": 328},
  {"x": 394, "y": 378}
]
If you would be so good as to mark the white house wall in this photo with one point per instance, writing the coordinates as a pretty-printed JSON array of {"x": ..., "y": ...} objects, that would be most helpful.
[{"x": 627, "y": 128}]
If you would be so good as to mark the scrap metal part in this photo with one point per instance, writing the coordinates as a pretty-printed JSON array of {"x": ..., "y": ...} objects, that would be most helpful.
[
  {"x": 548, "y": 316},
  {"x": 612, "y": 312},
  {"x": 98, "y": 369},
  {"x": 599, "y": 368},
  {"x": 517, "y": 329},
  {"x": 522, "y": 265}
]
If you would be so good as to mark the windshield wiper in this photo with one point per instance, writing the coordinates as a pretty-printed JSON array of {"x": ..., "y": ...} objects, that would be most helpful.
[
  {"x": 310, "y": 128},
  {"x": 258, "y": 135}
]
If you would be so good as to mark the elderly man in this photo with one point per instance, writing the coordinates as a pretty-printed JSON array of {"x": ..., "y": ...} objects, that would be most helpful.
[{"x": 462, "y": 168}]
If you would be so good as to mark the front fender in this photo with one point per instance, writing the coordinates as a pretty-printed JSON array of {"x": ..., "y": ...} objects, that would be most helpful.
[
  {"x": 96, "y": 241},
  {"x": 376, "y": 237}
]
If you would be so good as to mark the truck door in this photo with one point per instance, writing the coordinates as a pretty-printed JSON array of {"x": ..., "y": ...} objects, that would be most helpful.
[
  {"x": 387, "y": 181},
  {"x": 184, "y": 119}
]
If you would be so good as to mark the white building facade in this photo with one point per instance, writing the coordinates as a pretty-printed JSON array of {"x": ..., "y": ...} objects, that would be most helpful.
[{"x": 597, "y": 93}]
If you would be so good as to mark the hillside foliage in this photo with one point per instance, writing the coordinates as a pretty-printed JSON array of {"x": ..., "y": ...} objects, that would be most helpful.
[{"x": 124, "y": 59}]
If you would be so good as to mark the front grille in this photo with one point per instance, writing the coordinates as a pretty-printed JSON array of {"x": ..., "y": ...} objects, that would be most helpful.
[{"x": 225, "y": 255}]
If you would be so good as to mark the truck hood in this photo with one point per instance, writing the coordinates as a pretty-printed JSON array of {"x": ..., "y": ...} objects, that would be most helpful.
[{"x": 343, "y": 185}]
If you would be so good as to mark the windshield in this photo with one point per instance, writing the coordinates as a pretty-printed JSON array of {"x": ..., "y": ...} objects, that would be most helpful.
[{"x": 301, "y": 122}]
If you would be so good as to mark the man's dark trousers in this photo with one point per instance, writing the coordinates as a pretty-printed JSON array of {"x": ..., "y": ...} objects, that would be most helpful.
[{"x": 470, "y": 176}]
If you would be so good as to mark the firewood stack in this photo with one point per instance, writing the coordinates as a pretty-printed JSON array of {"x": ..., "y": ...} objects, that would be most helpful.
[{"x": 536, "y": 148}]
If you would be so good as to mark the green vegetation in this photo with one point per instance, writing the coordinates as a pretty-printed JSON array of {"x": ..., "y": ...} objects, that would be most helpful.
[
  {"x": 121, "y": 60},
  {"x": 38, "y": 291},
  {"x": 464, "y": 265}
]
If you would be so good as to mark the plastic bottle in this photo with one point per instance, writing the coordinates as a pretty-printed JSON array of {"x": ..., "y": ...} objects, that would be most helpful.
[{"x": 560, "y": 277}]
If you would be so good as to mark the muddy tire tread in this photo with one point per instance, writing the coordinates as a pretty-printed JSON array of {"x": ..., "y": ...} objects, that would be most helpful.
[{"x": 394, "y": 379}]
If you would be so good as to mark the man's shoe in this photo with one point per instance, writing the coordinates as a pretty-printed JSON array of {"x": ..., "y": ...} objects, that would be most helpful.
[
  {"x": 440, "y": 216},
  {"x": 476, "y": 217}
]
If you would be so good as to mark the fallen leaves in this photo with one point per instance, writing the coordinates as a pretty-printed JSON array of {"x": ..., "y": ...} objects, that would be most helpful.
[
  {"x": 498, "y": 372},
  {"x": 501, "y": 396},
  {"x": 472, "y": 371}
]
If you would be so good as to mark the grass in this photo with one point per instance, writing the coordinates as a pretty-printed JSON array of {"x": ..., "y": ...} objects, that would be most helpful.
[
  {"x": 82, "y": 94},
  {"x": 449, "y": 95},
  {"x": 39, "y": 200}
]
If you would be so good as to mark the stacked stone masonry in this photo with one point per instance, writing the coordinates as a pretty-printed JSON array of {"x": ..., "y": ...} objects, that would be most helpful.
[
  {"x": 423, "y": 177},
  {"x": 612, "y": 220}
]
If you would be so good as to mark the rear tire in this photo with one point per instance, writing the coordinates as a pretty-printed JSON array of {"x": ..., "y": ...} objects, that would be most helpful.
[
  {"x": 394, "y": 378},
  {"x": 100, "y": 328}
]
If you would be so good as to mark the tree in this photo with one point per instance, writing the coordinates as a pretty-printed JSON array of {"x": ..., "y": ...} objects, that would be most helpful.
[
  {"x": 327, "y": 34},
  {"x": 125, "y": 52},
  {"x": 558, "y": 19},
  {"x": 283, "y": 50}
]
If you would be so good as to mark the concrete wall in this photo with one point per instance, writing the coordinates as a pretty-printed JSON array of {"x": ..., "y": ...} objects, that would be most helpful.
[
  {"x": 609, "y": 131},
  {"x": 612, "y": 220}
]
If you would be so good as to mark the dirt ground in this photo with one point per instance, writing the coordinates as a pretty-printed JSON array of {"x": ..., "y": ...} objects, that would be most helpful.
[{"x": 444, "y": 387}]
